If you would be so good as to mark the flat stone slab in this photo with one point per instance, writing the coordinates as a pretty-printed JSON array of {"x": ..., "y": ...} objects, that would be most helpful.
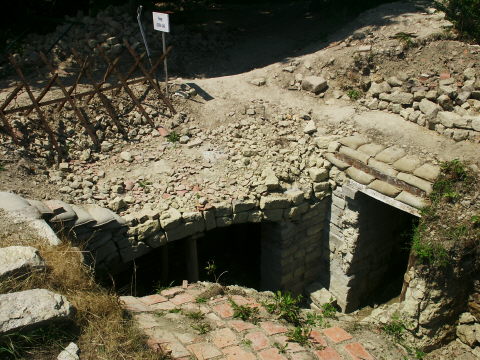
[
  {"x": 19, "y": 260},
  {"x": 26, "y": 309}
]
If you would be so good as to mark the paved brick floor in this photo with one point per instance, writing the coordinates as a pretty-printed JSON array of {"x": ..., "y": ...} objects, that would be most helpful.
[{"x": 211, "y": 332}]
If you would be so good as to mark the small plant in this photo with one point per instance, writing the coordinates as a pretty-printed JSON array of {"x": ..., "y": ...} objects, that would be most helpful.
[
  {"x": 159, "y": 287},
  {"x": 201, "y": 327},
  {"x": 281, "y": 349},
  {"x": 286, "y": 307},
  {"x": 160, "y": 313},
  {"x": 299, "y": 335},
  {"x": 244, "y": 313},
  {"x": 406, "y": 38},
  {"x": 194, "y": 315},
  {"x": 247, "y": 342},
  {"x": 316, "y": 320},
  {"x": 354, "y": 94},
  {"x": 200, "y": 300},
  {"x": 2, "y": 167},
  {"x": 173, "y": 137},
  {"x": 475, "y": 219},
  {"x": 175, "y": 310},
  {"x": 144, "y": 183},
  {"x": 427, "y": 251},
  {"x": 211, "y": 269},
  {"x": 328, "y": 310},
  {"x": 395, "y": 328}
]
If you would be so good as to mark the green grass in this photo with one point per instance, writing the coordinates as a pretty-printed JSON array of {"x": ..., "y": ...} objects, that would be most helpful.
[
  {"x": 200, "y": 300},
  {"x": 194, "y": 315},
  {"x": 328, "y": 310},
  {"x": 281, "y": 349},
  {"x": 406, "y": 38},
  {"x": 464, "y": 14},
  {"x": 201, "y": 327},
  {"x": 2, "y": 167}
]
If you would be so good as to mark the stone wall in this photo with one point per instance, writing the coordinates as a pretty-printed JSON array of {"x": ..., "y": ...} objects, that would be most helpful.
[{"x": 363, "y": 234}]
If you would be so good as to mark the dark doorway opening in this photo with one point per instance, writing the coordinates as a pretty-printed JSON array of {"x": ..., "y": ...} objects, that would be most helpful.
[
  {"x": 233, "y": 251},
  {"x": 384, "y": 244}
]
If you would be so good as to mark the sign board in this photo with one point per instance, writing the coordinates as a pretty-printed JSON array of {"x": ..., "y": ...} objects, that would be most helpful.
[{"x": 161, "y": 22}]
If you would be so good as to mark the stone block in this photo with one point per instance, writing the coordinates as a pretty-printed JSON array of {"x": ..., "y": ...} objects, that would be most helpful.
[
  {"x": 19, "y": 260},
  {"x": 222, "y": 209},
  {"x": 354, "y": 154},
  {"x": 147, "y": 229},
  {"x": 402, "y": 98},
  {"x": 338, "y": 202},
  {"x": 359, "y": 176},
  {"x": 353, "y": 142},
  {"x": 337, "y": 162},
  {"x": 371, "y": 149},
  {"x": 295, "y": 196},
  {"x": 224, "y": 221},
  {"x": 240, "y": 218},
  {"x": 407, "y": 163},
  {"x": 322, "y": 186},
  {"x": 32, "y": 308},
  {"x": 384, "y": 188},
  {"x": 315, "y": 84},
  {"x": 382, "y": 167},
  {"x": 170, "y": 219},
  {"x": 209, "y": 217},
  {"x": 156, "y": 240},
  {"x": 390, "y": 155},
  {"x": 428, "y": 172},
  {"x": 416, "y": 181},
  {"x": 276, "y": 201},
  {"x": 255, "y": 216},
  {"x": 318, "y": 175},
  {"x": 429, "y": 108},
  {"x": 412, "y": 200},
  {"x": 240, "y": 206},
  {"x": 273, "y": 214},
  {"x": 450, "y": 119}
]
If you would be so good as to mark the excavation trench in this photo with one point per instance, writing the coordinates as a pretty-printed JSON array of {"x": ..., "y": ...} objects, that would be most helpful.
[{"x": 353, "y": 244}]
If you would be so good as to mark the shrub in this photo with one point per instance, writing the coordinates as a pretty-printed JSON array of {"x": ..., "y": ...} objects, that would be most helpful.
[{"x": 465, "y": 15}]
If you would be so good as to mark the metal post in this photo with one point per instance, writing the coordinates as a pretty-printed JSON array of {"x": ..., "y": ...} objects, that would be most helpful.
[{"x": 165, "y": 64}]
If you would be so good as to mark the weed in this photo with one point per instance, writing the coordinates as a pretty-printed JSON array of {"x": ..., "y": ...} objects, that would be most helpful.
[
  {"x": 244, "y": 313},
  {"x": 299, "y": 335},
  {"x": 2, "y": 167},
  {"x": 406, "y": 38},
  {"x": 316, "y": 320},
  {"x": 464, "y": 14},
  {"x": 160, "y": 313},
  {"x": 194, "y": 315},
  {"x": 173, "y": 137},
  {"x": 159, "y": 288},
  {"x": 286, "y": 307},
  {"x": 211, "y": 269},
  {"x": 201, "y": 327},
  {"x": 200, "y": 300},
  {"x": 144, "y": 183},
  {"x": 354, "y": 94},
  {"x": 395, "y": 328},
  {"x": 475, "y": 219},
  {"x": 427, "y": 251},
  {"x": 281, "y": 349},
  {"x": 328, "y": 310},
  {"x": 175, "y": 310},
  {"x": 247, "y": 342}
]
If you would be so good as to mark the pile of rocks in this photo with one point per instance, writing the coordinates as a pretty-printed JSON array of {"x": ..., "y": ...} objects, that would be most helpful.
[{"x": 447, "y": 105}]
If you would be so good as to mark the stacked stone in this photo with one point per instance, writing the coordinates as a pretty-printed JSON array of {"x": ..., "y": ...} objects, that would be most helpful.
[
  {"x": 387, "y": 170},
  {"x": 449, "y": 106}
]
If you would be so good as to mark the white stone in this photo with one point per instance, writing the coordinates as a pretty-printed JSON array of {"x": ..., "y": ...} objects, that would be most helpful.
[
  {"x": 315, "y": 84},
  {"x": 30, "y": 308},
  {"x": 126, "y": 156},
  {"x": 69, "y": 353},
  {"x": 18, "y": 260},
  {"x": 310, "y": 127}
]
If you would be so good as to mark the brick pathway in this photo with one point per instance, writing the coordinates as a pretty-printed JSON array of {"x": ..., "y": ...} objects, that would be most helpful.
[{"x": 176, "y": 323}]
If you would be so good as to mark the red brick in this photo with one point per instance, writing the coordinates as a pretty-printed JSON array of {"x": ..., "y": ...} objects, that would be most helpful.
[
  {"x": 291, "y": 346},
  {"x": 317, "y": 338},
  {"x": 358, "y": 352},
  {"x": 169, "y": 293},
  {"x": 258, "y": 339},
  {"x": 224, "y": 337},
  {"x": 272, "y": 328},
  {"x": 153, "y": 299},
  {"x": 163, "y": 306},
  {"x": 182, "y": 299},
  {"x": 204, "y": 350},
  {"x": 271, "y": 354},
  {"x": 131, "y": 303},
  {"x": 224, "y": 310},
  {"x": 328, "y": 353},
  {"x": 337, "y": 334},
  {"x": 176, "y": 349},
  {"x": 237, "y": 353},
  {"x": 240, "y": 325}
]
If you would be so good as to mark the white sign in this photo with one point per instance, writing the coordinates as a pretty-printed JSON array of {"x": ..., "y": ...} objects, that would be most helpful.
[{"x": 161, "y": 22}]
